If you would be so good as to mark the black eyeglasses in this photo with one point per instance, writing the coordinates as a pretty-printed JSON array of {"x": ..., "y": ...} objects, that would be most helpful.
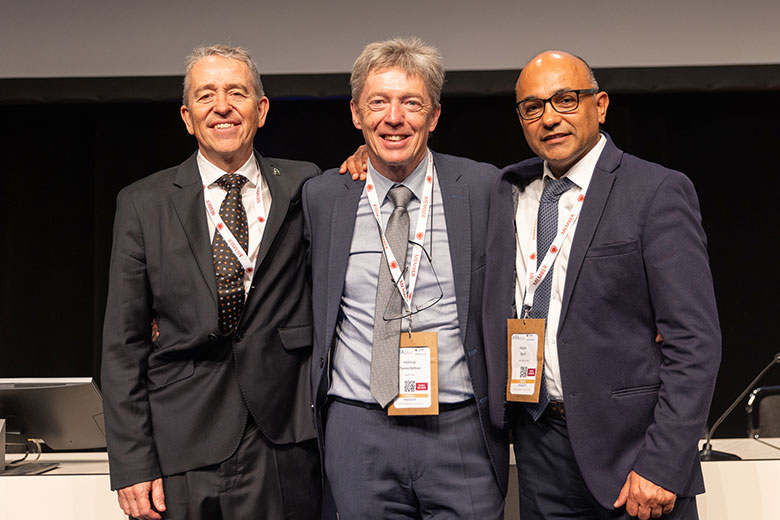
[
  {"x": 563, "y": 102},
  {"x": 425, "y": 263}
]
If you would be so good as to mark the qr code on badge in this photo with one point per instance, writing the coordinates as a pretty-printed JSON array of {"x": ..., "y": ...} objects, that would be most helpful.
[
  {"x": 409, "y": 386},
  {"x": 522, "y": 372}
]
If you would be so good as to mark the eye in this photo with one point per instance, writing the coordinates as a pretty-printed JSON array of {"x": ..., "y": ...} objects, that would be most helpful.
[
  {"x": 413, "y": 105},
  {"x": 531, "y": 106},
  {"x": 566, "y": 100},
  {"x": 377, "y": 104},
  {"x": 238, "y": 94}
]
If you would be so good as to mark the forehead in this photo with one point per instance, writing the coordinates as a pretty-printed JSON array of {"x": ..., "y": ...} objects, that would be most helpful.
[
  {"x": 218, "y": 70},
  {"x": 394, "y": 81},
  {"x": 544, "y": 77}
]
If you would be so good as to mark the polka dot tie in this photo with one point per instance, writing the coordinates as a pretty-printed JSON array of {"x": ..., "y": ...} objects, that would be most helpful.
[{"x": 230, "y": 273}]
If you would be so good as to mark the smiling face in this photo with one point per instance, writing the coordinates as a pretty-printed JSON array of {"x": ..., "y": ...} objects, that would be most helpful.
[
  {"x": 396, "y": 115},
  {"x": 561, "y": 139},
  {"x": 222, "y": 111}
]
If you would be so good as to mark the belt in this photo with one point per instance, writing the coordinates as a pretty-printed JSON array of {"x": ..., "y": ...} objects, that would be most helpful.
[
  {"x": 443, "y": 407},
  {"x": 556, "y": 409}
]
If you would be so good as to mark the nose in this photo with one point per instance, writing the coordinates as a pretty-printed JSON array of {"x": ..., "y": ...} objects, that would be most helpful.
[
  {"x": 222, "y": 104},
  {"x": 550, "y": 116},
  {"x": 395, "y": 114}
]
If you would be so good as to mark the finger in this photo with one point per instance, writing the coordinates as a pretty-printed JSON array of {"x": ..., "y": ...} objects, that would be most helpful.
[
  {"x": 158, "y": 495},
  {"x": 363, "y": 174},
  {"x": 656, "y": 512},
  {"x": 632, "y": 507},
  {"x": 668, "y": 508},
  {"x": 123, "y": 505},
  {"x": 621, "y": 499},
  {"x": 343, "y": 167}
]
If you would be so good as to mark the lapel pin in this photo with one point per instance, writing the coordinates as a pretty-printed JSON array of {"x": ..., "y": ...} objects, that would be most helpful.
[{"x": 276, "y": 171}]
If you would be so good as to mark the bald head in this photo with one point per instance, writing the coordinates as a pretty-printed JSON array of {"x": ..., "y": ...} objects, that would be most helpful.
[
  {"x": 548, "y": 59},
  {"x": 561, "y": 139}
]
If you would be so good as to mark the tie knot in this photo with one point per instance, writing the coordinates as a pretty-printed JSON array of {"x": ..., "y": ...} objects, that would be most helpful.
[
  {"x": 554, "y": 188},
  {"x": 399, "y": 195},
  {"x": 232, "y": 181}
]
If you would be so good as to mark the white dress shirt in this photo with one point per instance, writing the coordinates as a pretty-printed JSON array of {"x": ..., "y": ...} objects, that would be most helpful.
[
  {"x": 209, "y": 175},
  {"x": 525, "y": 218}
]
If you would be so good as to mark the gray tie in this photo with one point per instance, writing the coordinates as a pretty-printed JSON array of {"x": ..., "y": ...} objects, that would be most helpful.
[
  {"x": 546, "y": 229},
  {"x": 384, "y": 353}
]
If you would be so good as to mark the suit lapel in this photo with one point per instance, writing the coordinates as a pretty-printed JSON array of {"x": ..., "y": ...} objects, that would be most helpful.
[
  {"x": 342, "y": 226},
  {"x": 595, "y": 200},
  {"x": 280, "y": 202},
  {"x": 457, "y": 215},
  {"x": 188, "y": 203}
]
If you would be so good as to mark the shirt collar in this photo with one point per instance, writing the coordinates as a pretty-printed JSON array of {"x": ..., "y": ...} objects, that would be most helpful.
[
  {"x": 582, "y": 171},
  {"x": 210, "y": 173},
  {"x": 415, "y": 181}
]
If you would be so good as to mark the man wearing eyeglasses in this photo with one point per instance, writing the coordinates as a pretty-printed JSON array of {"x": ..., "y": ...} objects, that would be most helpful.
[
  {"x": 397, "y": 270},
  {"x": 601, "y": 250}
]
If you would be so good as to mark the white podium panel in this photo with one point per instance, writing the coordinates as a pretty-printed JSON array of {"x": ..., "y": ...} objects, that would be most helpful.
[{"x": 78, "y": 489}]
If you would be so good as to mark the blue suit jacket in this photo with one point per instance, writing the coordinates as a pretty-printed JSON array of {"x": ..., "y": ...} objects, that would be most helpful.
[
  {"x": 330, "y": 205},
  {"x": 638, "y": 262}
]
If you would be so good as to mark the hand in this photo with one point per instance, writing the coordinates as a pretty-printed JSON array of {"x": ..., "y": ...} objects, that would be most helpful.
[
  {"x": 356, "y": 164},
  {"x": 155, "y": 330},
  {"x": 134, "y": 500},
  {"x": 644, "y": 499},
  {"x": 658, "y": 338}
]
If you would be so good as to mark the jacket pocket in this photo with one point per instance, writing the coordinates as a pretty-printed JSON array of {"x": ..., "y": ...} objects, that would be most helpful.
[
  {"x": 164, "y": 375},
  {"x": 296, "y": 337},
  {"x": 636, "y": 390},
  {"x": 616, "y": 248}
]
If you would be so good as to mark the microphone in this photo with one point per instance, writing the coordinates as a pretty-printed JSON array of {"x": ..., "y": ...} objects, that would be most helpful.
[{"x": 706, "y": 452}]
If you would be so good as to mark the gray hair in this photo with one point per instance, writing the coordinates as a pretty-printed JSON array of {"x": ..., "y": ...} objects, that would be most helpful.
[
  {"x": 225, "y": 51},
  {"x": 412, "y": 55}
]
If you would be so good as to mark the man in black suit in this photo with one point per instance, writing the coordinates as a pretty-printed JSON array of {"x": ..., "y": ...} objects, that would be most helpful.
[{"x": 212, "y": 419}]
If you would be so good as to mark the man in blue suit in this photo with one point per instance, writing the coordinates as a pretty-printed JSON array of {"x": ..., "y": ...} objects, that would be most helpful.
[
  {"x": 615, "y": 431},
  {"x": 403, "y": 256}
]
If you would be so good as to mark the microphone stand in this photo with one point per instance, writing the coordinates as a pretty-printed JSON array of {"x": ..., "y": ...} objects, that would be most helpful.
[{"x": 706, "y": 452}]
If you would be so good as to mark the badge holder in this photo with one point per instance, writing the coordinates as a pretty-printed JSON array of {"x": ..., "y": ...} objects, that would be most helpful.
[
  {"x": 418, "y": 375},
  {"x": 525, "y": 354}
]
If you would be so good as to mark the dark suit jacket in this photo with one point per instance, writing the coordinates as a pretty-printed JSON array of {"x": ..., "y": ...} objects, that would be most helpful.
[
  {"x": 181, "y": 403},
  {"x": 330, "y": 205},
  {"x": 638, "y": 262}
]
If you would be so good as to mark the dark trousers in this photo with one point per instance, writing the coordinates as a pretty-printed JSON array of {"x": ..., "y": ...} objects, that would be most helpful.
[
  {"x": 550, "y": 482},
  {"x": 431, "y": 467},
  {"x": 259, "y": 481}
]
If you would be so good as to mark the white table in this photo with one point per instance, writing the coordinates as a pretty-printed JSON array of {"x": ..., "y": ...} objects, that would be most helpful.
[{"x": 78, "y": 489}]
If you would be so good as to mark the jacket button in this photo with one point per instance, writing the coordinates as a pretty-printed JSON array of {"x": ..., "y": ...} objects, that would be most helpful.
[
  {"x": 322, "y": 362},
  {"x": 238, "y": 338},
  {"x": 213, "y": 337}
]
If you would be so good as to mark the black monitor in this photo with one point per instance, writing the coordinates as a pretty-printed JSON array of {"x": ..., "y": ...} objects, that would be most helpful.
[{"x": 67, "y": 413}]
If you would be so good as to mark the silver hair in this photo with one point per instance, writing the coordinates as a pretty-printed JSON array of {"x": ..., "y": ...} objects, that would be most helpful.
[
  {"x": 225, "y": 51},
  {"x": 412, "y": 55}
]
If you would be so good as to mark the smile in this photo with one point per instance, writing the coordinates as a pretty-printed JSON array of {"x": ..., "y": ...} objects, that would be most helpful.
[
  {"x": 394, "y": 137},
  {"x": 221, "y": 126},
  {"x": 554, "y": 136}
]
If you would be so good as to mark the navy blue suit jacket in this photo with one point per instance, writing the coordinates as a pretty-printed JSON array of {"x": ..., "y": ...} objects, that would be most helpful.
[
  {"x": 330, "y": 206},
  {"x": 638, "y": 262}
]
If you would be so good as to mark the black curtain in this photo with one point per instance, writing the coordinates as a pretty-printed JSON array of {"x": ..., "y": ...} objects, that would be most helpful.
[{"x": 65, "y": 157}]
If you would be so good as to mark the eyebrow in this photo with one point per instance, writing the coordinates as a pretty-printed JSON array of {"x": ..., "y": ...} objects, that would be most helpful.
[
  {"x": 529, "y": 98},
  {"x": 212, "y": 86}
]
